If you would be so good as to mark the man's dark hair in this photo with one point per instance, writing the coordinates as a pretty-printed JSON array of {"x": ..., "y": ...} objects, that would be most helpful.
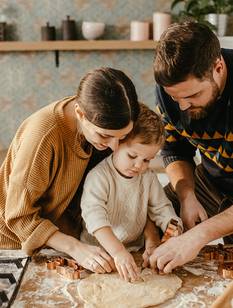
[{"x": 184, "y": 49}]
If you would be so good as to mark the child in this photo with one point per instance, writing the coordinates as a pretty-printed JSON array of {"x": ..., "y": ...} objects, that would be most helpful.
[{"x": 121, "y": 196}]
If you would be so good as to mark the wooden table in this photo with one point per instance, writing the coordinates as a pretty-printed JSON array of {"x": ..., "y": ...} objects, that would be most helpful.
[{"x": 43, "y": 288}]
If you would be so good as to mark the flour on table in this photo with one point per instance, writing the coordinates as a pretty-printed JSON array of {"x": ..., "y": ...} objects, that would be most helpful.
[
  {"x": 194, "y": 271},
  {"x": 218, "y": 288},
  {"x": 110, "y": 291}
]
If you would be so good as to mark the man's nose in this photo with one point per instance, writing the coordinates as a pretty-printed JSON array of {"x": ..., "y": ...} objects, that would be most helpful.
[
  {"x": 114, "y": 143},
  {"x": 184, "y": 104}
]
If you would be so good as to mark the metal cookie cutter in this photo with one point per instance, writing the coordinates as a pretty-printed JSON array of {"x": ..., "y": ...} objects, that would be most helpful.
[{"x": 66, "y": 267}]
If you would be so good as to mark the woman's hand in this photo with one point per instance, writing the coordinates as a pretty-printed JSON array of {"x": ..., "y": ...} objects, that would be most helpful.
[
  {"x": 126, "y": 265},
  {"x": 93, "y": 258},
  {"x": 90, "y": 257}
]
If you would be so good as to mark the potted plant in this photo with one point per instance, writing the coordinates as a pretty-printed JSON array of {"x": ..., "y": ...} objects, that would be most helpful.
[
  {"x": 223, "y": 6},
  {"x": 219, "y": 15},
  {"x": 212, "y": 12},
  {"x": 192, "y": 9}
]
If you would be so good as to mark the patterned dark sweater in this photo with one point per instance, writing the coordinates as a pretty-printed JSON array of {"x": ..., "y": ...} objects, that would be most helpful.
[{"x": 212, "y": 135}]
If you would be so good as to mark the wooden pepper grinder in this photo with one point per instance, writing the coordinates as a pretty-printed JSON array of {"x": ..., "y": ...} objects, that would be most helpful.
[
  {"x": 48, "y": 33},
  {"x": 68, "y": 29}
]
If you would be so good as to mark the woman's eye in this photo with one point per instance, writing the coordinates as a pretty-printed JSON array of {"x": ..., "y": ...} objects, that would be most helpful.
[
  {"x": 146, "y": 160},
  {"x": 131, "y": 156},
  {"x": 104, "y": 137},
  {"x": 122, "y": 138}
]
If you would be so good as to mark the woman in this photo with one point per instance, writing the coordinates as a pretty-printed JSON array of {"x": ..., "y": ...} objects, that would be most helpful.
[{"x": 47, "y": 159}]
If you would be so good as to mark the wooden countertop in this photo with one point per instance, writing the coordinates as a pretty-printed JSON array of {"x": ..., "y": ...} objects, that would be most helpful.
[{"x": 41, "y": 287}]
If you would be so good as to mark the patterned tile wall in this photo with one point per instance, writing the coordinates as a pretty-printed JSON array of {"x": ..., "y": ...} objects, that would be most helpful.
[{"x": 29, "y": 81}]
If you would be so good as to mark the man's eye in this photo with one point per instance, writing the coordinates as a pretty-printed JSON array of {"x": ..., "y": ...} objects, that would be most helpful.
[
  {"x": 131, "y": 156},
  {"x": 146, "y": 160}
]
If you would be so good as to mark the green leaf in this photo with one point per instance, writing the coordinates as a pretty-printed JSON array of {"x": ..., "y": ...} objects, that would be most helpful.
[{"x": 175, "y": 2}]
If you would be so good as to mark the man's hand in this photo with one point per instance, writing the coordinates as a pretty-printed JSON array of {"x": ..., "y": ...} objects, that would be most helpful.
[
  {"x": 175, "y": 252},
  {"x": 192, "y": 212},
  {"x": 126, "y": 265}
]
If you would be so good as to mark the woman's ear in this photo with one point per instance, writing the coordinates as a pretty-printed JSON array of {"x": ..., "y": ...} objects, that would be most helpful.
[{"x": 79, "y": 113}]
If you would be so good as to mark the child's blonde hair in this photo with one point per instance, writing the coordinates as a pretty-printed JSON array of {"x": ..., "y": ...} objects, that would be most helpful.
[{"x": 148, "y": 127}]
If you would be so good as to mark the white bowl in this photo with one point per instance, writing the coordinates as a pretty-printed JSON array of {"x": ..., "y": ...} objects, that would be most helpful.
[{"x": 92, "y": 30}]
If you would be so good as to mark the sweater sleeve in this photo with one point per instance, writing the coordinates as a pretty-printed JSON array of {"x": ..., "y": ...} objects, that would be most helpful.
[
  {"x": 160, "y": 209},
  {"x": 94, "y": 201},
  {"x": 29, "y": 179},
  {"x": 176, "y": 146}
]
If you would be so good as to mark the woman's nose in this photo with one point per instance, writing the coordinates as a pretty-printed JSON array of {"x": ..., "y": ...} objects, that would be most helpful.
[{"x": 114, "y": 143}]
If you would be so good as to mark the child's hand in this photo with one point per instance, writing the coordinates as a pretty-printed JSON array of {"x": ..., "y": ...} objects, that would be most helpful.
[
  {"x": 149, "y": 248},
  {"x": 126, "y": 265}
]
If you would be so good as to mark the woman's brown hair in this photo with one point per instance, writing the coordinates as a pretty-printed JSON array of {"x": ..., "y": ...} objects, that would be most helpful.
[{"x": 108, "y": 98}]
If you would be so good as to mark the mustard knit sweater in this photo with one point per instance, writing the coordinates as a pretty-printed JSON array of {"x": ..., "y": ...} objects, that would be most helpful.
[{"x": 39, "y": 177}]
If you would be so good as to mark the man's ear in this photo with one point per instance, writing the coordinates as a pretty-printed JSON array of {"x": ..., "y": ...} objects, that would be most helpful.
[
  {"x": 79, "y": 113},
  {"x": 219, "y": 66}
]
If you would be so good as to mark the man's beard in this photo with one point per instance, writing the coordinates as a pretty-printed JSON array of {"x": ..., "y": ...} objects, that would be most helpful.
[{"x": 204, "y": 111}]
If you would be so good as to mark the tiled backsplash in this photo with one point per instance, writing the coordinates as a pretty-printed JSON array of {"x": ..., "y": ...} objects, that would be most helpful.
[{"x": 29, "y": 81}]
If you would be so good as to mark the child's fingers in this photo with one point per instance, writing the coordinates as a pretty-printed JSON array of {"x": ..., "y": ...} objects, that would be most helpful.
[
  {"x": 136, "y": 268},
  {"x": 118, "y": 267},
  {"x": 125, "y": 273},
  {"x": 133, "y": 275}
]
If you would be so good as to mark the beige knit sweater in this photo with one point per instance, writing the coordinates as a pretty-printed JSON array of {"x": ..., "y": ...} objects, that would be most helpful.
[
  {"x": 39, "y": 177},
  {"x": 111, "y": 200}
]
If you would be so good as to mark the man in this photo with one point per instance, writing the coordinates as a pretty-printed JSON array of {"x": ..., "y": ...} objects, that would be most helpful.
[{"x": 194, "y": 94}]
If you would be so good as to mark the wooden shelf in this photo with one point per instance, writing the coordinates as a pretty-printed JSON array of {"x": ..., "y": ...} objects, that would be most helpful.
[
  {"x": 88, "y": 45},
  {"x": 76, "y": 45}
]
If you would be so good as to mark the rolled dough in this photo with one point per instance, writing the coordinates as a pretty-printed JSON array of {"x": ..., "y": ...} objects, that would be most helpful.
[{"x": 110, "y": 291}]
